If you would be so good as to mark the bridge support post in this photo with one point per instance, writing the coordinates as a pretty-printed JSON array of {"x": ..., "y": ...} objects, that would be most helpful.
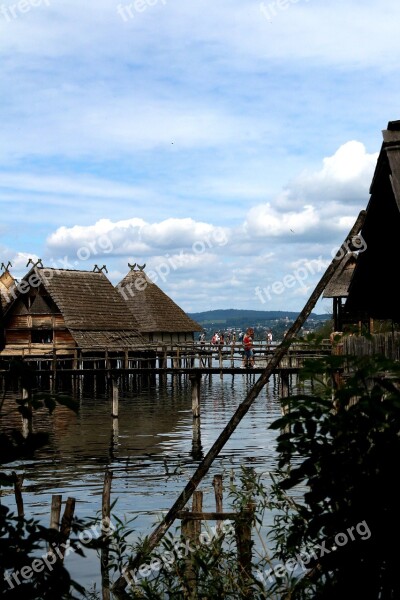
[
  {"x": 195, "y": 380},
  {"x": 115, "y": 397}
]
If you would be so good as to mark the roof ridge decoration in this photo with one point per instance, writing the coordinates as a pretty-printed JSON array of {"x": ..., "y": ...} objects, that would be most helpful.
[
  {"x": 35, "y": 264},
  {"x": 6, "y": 267},
  {"x": 140, "y": 267},
  {"x": 100, "y": 269}
]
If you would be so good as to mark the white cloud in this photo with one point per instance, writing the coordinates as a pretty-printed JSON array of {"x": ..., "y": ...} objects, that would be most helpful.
[
  {"x": 342, "y": 182},
  {"x": 136, "y": 235},
  {"x": 319, "y": 204},
  {"x": 264, "y": 220}
]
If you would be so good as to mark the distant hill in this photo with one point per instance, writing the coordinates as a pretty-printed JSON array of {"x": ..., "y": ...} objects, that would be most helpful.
[{"x": 238, "y": 318}]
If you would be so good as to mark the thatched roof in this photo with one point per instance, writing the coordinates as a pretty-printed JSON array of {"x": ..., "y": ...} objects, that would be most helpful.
[
  {"x": 87, "y": 300},
  {"x": 153, "y": 309},
  {"x": 338, "y": 287}
]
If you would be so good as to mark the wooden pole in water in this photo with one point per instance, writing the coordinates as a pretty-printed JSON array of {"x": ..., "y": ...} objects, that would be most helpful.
[
  {"x": 196, "y": 440},
  {"x": 18, "y": 481},
  {"x": 115, "y": 398},
  {"x": 55, "y": 515},
  {"x": 191, "y": 530},
  {"x": 196, "y": 390},
  {"x": 218, "y": 491},
  {"x": 66, "y": 521},
  {"x": 241, "y": 411},
  {"x": 243, "y": 527},
  {"x": 27, "y": 420},
  {"x": 106, "y": 502},
  {"x": 55, "y": 511},
  {"x": 105, "y": 530}
]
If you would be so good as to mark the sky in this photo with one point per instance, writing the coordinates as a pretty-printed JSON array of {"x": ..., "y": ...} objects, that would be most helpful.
[{"x": 228, "y": 146}]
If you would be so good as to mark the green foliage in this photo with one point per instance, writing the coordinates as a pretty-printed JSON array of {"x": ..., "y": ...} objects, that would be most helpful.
[{"x": 343, "y": 444}]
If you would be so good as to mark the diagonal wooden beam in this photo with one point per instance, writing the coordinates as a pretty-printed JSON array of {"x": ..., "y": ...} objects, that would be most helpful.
[{"x": 241, "y": 411}]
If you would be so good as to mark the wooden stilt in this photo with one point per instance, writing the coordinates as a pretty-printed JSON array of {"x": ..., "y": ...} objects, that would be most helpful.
[
  {"x": 106, "y": 502},
  {"x": 115, "y": 398},
  {"x": 196, "y": 390},
  {"x": 26, "y": 420},
  {"x": 54, "y": 371},
  {"x": 191, "y": 530},
  {"x": 66, "y": 521},
  {"x": 197, "y": 452},
  {"x": 115, "y": 432},
  {"x": 105, "y": 530},
  {"x": 243, "y": 526},
  {"x": 18, "y": 481},
  {"x": 197, "y": 507},
  {"x": 55, "y": 513},
  {"x": 218, "y": 491}
]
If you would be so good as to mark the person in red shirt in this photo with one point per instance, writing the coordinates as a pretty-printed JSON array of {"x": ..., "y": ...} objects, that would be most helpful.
[{"x": 248, "y": 356}]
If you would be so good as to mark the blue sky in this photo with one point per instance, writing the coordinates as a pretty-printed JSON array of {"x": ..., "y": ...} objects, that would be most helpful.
[{"x": 225, "y": 144}]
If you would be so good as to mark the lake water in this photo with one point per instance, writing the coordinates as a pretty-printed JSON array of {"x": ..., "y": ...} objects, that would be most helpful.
[{"x": 149, "y": 449}]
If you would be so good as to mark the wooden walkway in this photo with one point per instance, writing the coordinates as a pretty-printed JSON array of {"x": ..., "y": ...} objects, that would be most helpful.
[{"x": 159, "y": 359}]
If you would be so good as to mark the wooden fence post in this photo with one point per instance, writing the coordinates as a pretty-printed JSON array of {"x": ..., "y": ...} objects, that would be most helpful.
[
  {"x": 18, "y": 481},
  {"x": 218, "y": 491},
  {"x": 66, "y": 521},
  {"x": 105, "y": 530},
  {"x": 243, "y": 527},
  {"x": 191, "y": 530}
]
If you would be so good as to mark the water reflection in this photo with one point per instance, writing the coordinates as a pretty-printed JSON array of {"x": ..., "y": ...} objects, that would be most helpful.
[{"x": 152, "y": 448}]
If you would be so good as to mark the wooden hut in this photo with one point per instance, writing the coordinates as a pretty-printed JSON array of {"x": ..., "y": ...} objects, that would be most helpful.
[
  {"x": 66, "y": 309},
  {"x": 373, "y": 292},
  {"x": 158, "y": 316},
  {"x": 338, "y": 290}
]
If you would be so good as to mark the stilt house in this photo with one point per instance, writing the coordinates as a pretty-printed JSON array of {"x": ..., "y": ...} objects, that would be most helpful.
[{"x": 64, "y": 310}]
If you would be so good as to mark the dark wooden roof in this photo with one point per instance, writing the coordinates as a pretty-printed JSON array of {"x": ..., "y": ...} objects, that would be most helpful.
[
  {"x": 153, "y": 309},
  {"x": 373, "y": 290},
  {"x": 338, "y": 287}
]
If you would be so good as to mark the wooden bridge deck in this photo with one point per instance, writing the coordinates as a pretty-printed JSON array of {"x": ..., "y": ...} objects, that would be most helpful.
[{"x": 157, "y": 359}]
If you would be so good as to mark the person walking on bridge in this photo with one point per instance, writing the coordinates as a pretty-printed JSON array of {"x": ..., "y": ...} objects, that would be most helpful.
[{"x": 248, "y": 355}]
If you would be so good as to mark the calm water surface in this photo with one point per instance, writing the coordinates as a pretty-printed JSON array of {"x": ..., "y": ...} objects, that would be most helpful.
[{"x": 150, "y": 450}]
